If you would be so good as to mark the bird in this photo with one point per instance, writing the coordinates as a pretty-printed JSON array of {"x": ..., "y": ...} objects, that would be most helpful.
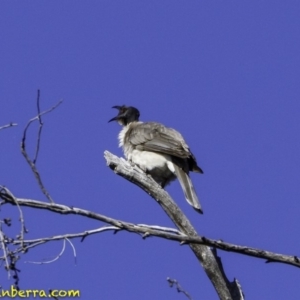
[{"x": 158, "y": 150}]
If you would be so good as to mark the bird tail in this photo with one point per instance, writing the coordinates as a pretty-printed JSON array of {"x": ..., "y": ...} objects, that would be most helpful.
[{"x": 188, "y": 189}]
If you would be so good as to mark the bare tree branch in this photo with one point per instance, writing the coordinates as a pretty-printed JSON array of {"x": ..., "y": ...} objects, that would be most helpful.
[
  {"x": 21, "y": 219},
  {"x": 32, "y": 163},
  {"x": 9, "y": 257},
  {"x": 8, "y": 125},
  {"x": 36, "y": 242},
  {"x": 144, "y": 230},
  {"x": 204, "y": 254},
  {"x": 5, "y": 250}
]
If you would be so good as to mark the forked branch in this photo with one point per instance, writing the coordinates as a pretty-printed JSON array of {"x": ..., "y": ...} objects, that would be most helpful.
[{"x": 32, "y": 162}]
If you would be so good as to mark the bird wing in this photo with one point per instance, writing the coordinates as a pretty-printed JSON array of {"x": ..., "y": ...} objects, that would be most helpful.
[{"x": 156, "y": 137}]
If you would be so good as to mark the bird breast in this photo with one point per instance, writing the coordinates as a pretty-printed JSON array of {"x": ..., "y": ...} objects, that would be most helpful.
[{"x": 159, "y": 166}]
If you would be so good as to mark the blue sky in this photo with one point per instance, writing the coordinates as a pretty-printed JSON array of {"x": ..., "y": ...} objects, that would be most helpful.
[{"x": 225, "y": 74}]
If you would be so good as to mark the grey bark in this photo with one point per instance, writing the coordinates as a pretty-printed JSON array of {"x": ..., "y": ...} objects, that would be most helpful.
[{"x": 207, "y": 258}]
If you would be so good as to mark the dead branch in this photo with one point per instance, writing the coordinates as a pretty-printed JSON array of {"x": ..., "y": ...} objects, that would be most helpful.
[
  {"x": 9, "y": 257},
  {"x": 52, "y": 260},
  {"x": 224, "y": 288},
  {"x": 32, "y": 163},
  {"x": 11, "y": 124},
  {"x": 58, "y": 256},
  {"x": 5, "y": 251},
  {"x": 144, "y": 230},
  {"x": 21, "y": 219}
]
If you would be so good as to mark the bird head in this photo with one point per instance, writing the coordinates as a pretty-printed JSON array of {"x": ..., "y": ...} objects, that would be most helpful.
[{"x": 126, "y": 115}]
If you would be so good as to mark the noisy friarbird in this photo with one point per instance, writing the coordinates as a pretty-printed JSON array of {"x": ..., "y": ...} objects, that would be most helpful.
[{"x": 158, "y": 150}]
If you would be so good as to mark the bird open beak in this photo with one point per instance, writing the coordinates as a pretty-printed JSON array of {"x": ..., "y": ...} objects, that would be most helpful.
[
  {"x": 118, "y": 116},
  {"x": 114, "y": 119}
]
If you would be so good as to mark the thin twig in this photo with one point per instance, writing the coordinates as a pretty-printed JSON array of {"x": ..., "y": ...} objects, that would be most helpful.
[
  {"x": 74, "y": 250},
  {"x": 32, "y": 163},
  {"x": 179, "y": 289},
  {"x": 40, "y": 128},
  {"x": 29, "y": 244},
  {"x": 5, "y": 251},
  {"x": 8, "y": 125},
  {"x": 52, "y": 260},
  {"x": 39, "y": 241},
  {"x": 23, "y": 228}
]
